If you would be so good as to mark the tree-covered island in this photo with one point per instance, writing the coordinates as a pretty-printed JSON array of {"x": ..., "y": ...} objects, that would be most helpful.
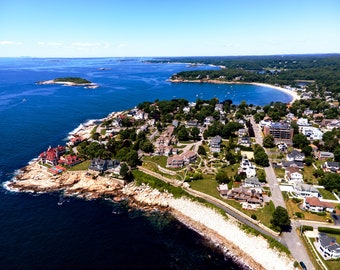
[{"x": 71, "y": 81}]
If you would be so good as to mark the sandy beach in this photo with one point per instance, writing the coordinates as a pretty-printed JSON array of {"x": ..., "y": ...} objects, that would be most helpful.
[{"x": 292, "y": 93}]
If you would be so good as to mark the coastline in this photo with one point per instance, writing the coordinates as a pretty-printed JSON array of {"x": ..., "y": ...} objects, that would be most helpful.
[
  {"x": 252, "y": 251},
  {"x": 249, "y": 250},
  {"x": 293, "y": 94}
]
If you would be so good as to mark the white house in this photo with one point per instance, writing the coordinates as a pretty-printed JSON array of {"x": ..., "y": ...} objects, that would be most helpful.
[
  {"x": 328, "y": 247},
  {"x": 312, "y": 133},
  {"x": 305, "y": 190},
  {"x": 302, "y": 122},
  {"x": 313, "y": 204},
  {"x": 293, "y": 175},
  {"x": 248, "y": 168}
]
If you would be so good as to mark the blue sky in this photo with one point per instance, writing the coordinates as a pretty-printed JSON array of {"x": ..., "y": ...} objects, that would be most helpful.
[{"x": 97, "y": 28}]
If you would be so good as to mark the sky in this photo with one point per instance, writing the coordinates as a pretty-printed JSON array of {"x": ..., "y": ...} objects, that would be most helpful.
[{"x": 149, "y": 28}]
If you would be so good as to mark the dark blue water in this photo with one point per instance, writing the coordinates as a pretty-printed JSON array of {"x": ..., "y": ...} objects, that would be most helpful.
[{"x": 37, "y": 233}]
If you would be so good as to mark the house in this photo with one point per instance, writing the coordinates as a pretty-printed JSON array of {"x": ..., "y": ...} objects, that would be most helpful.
[
  {"x": 245, "y": 141},
  {"x": 247, "y": 195},
  {"x": 98, "y": 165},
  {"x": 208, "y": 120},
  {"x": 305, "y": 190},
  {"x": 189, "y": 157},
  {"x": 293, "y": 175},
  {"x": 313, "y": 204},
  {"x": 282, "y": 147},
  {"x": 215, "y": 144},
  {"x": 295, "y": 156},
  {"x": 328, "y": 247},
  {"x": 302, "y": 122},
  {"x": 252, "y": 182},
  {"x": 323, "y": 155},
  {"x": 175, "y": 161},
  {"x": 69, "y": 160},
  {"x": 331, "y": 166},
  {"x": 242, "y": 132},
  {"x": 292, "y": 164},
  {"x": 51, "y": 155},
  {"x": 191, "y": 123},
  {"x": 223, "y": 189},
  {"x": 102, "y": 165},
  {"x": 312, "y": 133},
  {"x": 247, "y": 167}
]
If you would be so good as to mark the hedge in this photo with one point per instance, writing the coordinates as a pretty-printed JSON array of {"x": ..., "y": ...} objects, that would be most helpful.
[{"x": 329, "y": 230}]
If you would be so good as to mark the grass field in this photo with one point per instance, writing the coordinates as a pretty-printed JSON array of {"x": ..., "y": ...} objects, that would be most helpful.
[
  {"x": 81, "y": 166},
  {"x": 327, "y": 195}
]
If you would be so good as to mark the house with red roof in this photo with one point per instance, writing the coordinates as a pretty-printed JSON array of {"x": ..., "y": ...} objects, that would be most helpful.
[
  {"x": 69, "y": 160},
  {"x": 51, "y": 155},
  {"x": 314, "y": 204}
]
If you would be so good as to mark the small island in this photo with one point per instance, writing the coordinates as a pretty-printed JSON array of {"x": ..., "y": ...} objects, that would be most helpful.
[{"x": 71, "y": 81}]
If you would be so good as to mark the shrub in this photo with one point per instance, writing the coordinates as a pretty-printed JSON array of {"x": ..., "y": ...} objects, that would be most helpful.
[
  {"x": 329, "y": 230},
  {"x": 299, "y": 215},
  {"x": 307, "y": 228},
  {"x": 254, "y": 217}
]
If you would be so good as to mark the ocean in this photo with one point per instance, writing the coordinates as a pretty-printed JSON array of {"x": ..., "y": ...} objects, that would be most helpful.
[{"x": 36, "y": 231}]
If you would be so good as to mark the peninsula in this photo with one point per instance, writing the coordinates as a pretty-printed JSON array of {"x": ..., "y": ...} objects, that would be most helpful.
[{"x": 71, "y": 81}]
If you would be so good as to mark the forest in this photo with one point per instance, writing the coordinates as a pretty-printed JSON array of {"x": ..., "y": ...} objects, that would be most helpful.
[{"x": 322, "y": 70}]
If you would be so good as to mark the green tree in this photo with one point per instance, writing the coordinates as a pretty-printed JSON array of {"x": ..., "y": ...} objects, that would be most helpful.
[
  {"x": 222, "y": 177},
  {"x": 201, "y": 151},
  {"x": 331, "y": 181},
  {"x": 195, "y": 133},
  {"x": 268, "y": 141},
  {"x": 280, "y": 219},
  {"x": 300, "y": 141},
  {"x": 337, "y": 154}
]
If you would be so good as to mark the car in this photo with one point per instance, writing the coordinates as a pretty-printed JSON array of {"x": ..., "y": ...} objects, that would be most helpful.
[
  {"x": 335, "y": 217},
  {"x": 303, "y": 266}
]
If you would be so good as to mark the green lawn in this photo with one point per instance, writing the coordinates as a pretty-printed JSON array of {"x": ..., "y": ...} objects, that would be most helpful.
[
  {"x": 327, "y": 195},
  {"x": 81, "y": 166},
  {"x": 308, "y": 175},
  {"x": 206, "y": 185}
]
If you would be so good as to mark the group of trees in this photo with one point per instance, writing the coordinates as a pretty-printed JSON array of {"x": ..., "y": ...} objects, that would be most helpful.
[{"x": 260, "y": 156}]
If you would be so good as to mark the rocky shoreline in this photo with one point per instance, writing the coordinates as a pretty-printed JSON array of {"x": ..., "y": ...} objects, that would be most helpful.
[{"x": 252, "y": 251}]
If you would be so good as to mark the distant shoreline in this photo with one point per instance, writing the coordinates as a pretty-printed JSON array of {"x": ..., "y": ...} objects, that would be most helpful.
[{"x": 293, "y": 94}]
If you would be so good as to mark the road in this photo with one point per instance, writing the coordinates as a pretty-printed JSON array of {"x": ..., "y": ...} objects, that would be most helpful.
[{"x": 291, "y": 238}]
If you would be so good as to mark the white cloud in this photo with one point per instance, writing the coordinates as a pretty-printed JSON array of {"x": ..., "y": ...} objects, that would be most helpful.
[
  {"x": 122, "y": 45},
  {"x": 8, "y": 42},
  {"x": 86, "y": 44}
]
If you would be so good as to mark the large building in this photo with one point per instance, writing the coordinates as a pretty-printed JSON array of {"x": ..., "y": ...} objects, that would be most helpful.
[{"x": 282, "y": 133}]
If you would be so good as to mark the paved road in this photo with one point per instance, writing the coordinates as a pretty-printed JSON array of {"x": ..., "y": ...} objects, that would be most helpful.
[{"x": 291, "y": 238}]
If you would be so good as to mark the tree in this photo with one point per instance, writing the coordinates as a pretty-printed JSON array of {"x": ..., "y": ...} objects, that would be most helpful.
[
  {"x": 337, "y": 154},
  {"x": 300, "y": 141},
  {"x": 222, "y": 177},
  {"x": 280, "y": 219},
  {"x": 201, "y": 151},
  {"x": 268, "y": 141},
  {"x": 331, "y": 181},
  {"x": 195, "y": 133},
  {"x": 260, "y": 156}
]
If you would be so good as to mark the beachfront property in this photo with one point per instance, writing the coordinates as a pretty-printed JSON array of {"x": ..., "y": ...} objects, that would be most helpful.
[
  {"x": 102, "y": 165},
  {"x": 252, "y": 196},
  {"x": 327, "y": 246},
  {"x": 314, "y": 204},
  {"x": 69, "y": 160},
  {"x": 282, "y": 132},
  {"x": 178, "y": 161},
  {"x": 52, "y": 155}
]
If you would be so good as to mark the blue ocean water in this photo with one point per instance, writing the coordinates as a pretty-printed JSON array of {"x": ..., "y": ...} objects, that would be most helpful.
[{"x": 35, "y": 232}]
